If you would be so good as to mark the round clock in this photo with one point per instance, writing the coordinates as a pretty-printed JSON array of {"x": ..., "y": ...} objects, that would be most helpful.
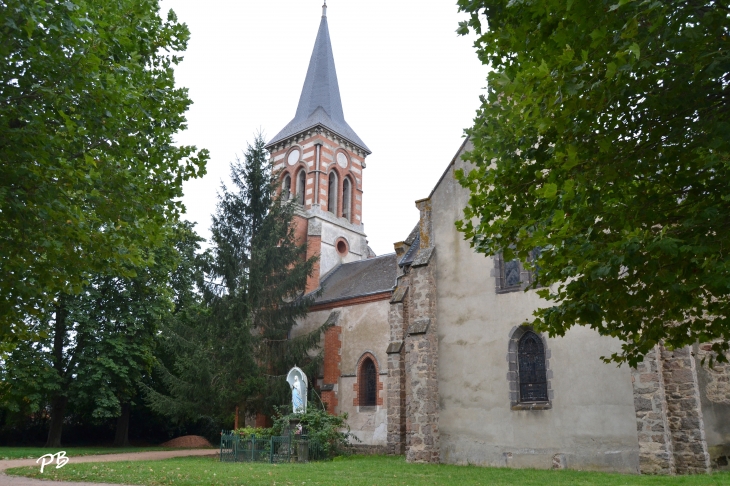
[
  {"x": 293, "y": 157},
  {"x": 342, "y": 160}
]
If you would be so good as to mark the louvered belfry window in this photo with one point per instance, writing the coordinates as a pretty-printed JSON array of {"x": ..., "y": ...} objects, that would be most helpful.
[
  {"x": 368, "y": 384},
  {"x": 533, "y": 377}
]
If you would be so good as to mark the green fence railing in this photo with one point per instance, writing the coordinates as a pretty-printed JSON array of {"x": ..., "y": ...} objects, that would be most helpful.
[{"x": 274, "y": 450}]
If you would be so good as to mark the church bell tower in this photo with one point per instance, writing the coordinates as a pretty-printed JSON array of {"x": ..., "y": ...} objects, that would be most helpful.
[{"x": 320, "y": 161}]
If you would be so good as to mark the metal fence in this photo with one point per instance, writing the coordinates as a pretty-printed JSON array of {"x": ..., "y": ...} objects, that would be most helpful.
[{"x": 274, "y": 450}]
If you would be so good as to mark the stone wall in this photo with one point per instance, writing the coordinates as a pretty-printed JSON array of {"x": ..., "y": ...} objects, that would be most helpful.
[
  {"x": 656, "y": 455},
  {"x": 421, "y": 352},
  {"x": 714, "y": 384},
  {"x": 669, "y": 414},
  {"x": 684, "y": 412},
  {"x": 421, "y": 365},
  {"x": 396, "y": 391}
]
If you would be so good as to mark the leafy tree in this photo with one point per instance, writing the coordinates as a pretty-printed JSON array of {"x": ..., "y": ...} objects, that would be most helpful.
[
  {"x": 100, "y": 346},
  {"x": 90, "y": 175},
  {"x": 235, "y": 350},
  {"x": 604, "y": 140}
]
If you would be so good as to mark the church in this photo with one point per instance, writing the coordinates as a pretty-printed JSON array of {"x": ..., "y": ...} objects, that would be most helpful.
[{"x": 429, "y": 351}]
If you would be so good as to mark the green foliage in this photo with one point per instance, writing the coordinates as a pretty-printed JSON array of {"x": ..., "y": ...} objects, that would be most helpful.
[
  {"x": 90, "y": 176},
  {"x": 331, "y": 432},
  {"x": 260, "y": 432},
  {"x": 97, "y": 345},
  {"x": 604, "y": 139},
  {"x": 234, "y": 348},
  {"x": 353, "y": 471}
]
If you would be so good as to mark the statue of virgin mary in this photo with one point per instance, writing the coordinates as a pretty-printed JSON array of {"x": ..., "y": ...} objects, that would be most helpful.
[
  {"x": 296, "y": 396},
  {"x": 297, "y": 380}
]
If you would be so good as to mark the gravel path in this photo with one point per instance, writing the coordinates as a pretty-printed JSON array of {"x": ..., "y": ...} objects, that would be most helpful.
[{"x": 130, "y": 456}]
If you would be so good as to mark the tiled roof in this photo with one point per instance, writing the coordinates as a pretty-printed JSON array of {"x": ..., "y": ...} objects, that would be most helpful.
[
  {"x": 320, "y": 103},
  {"x": 357, "y": 279}
]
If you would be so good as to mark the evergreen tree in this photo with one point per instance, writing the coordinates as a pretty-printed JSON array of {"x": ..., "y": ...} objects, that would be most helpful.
[{"x": 237, "y": 347}]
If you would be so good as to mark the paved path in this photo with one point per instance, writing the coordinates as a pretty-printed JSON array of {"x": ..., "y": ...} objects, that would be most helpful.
[{"x": 129, "y": 456}]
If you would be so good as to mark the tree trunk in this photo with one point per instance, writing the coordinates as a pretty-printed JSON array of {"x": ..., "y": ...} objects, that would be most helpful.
[
  {"x": 59, "y": 401},
  {"x": 121, "y": 438},
  {"x": 58, "y": 413},
  {"x": 235, "y": 421}
]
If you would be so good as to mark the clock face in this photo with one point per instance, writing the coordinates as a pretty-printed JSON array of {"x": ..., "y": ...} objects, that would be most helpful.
[
  {"x": 293, "y": 157},
  {"x": 342, "y": 160}
]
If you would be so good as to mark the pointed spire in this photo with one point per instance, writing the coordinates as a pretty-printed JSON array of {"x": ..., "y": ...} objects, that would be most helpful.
[{"x": 320, "y": 101}]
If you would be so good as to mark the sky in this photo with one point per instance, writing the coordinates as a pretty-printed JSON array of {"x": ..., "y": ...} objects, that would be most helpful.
[{"x": 409, "y": 87}]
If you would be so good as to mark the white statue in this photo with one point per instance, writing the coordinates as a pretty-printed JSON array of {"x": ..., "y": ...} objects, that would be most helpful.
[
  {"x": 296, "y": 396},
  {"x": 298, "y": 382}
]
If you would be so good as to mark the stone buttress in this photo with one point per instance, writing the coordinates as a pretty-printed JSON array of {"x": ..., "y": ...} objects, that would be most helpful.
[
  {"x": 669, "y": 415},
  {"x": 413, "y": 393}
]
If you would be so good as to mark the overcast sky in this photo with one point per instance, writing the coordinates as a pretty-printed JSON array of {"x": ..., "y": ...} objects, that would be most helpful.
[{"x": 409, "y": 87}]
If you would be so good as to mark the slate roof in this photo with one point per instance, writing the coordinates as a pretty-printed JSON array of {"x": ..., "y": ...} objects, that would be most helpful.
[
  {"x": 414, "y": 241},
  {"x": 357, "y": 279},
  {"x": 415, "y": 232},
  {"x": 411, "y": 253},
  {"x": 320, "y": 103}
]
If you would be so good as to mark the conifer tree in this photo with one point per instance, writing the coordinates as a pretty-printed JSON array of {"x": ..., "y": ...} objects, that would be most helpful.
[{"x": 235, "y": 351}]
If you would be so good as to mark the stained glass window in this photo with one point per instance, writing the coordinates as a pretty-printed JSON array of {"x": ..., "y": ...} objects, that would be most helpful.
[
  {"x": 533, "y": 377},
  {"x": 511, "y": 274},
  {"x": 368, "y": 384}
]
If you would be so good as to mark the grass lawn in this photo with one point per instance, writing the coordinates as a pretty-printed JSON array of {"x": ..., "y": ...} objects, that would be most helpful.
[
  {"x": 36, "y": 452},
  {"x": 357, "y": 470}
]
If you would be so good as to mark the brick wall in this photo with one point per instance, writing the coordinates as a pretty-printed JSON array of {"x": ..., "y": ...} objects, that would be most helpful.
[
  {"x": 330, "y": 144},
  {"x": 314, "y": 248},
  {"x": 332, "y": 357}
]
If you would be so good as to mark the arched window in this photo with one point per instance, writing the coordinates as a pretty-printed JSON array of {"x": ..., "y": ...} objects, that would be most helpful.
[
  {"x": 286, "y": 188},
  {"x": 301, "y": 185},
  {"x": 332, "y": 193},
  {"x": 368, "y": 381},
  {"x": 346, "y": 198},
  {"x": 531, "y": 368}
]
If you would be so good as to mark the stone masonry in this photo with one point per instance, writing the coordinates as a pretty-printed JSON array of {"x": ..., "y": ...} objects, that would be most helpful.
[
  {"x": 684, "y": 412},
  {"x": 421, "y": 350},
  {"x": 396, "y": 392},
  {"x": 656, "y": 455},
  {"x": 669, "y": 414},
  {"x": 714, "y": 379}
]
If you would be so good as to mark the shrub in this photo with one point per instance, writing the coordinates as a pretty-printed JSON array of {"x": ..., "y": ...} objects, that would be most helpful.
[{"x": 330, "y": 432}]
